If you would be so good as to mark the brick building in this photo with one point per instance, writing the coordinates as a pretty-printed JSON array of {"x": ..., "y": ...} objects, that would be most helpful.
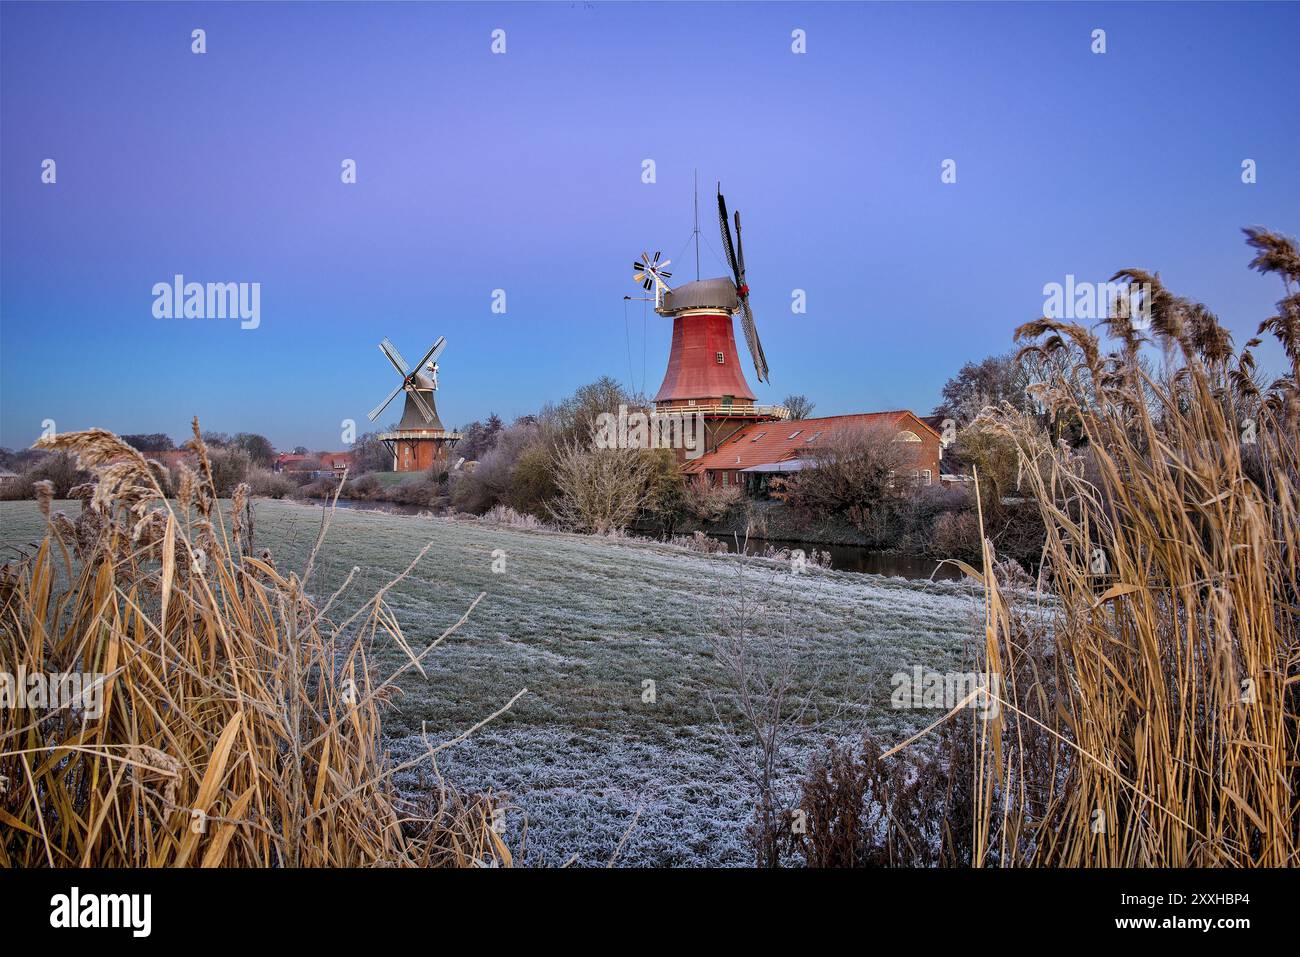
[{"x": 756, "y": 452}]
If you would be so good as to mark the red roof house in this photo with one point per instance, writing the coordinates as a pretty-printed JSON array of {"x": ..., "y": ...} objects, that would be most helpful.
[
  {"x": 338, "y": 462},
  {"x": 784, "y": 446},
  {"x": 287, "y": 461}
]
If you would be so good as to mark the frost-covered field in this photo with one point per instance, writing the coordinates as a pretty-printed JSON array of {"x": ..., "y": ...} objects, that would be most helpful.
[{"x": 582, "y": 623}]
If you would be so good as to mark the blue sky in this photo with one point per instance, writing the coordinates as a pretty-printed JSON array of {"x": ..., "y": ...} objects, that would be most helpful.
[{"x": 522, "y": 172}]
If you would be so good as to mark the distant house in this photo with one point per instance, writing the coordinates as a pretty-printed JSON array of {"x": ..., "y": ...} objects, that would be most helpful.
[
  {"x": 757, "y": 452},
  {"x": 286, "y": 462},
  {"x": 323, "y": 463},
  {"x": 8, "y": 478},
  {"x": 337, "y": 462}
]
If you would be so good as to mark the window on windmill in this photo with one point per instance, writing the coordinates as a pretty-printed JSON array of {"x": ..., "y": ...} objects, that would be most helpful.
[{"x": 720, "y": 358}]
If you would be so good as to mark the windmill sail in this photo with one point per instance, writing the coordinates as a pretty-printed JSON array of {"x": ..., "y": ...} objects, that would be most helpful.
[
  {"x": 751, "y": 339},
  {"x": 415, "y": 385},
  {"x": 736, "y": 257}
]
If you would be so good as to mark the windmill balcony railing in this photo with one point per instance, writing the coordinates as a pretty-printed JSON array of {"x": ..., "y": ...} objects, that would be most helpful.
[
  {"x": 419, "y": 434},
  {"x": 720, "y": 409}
]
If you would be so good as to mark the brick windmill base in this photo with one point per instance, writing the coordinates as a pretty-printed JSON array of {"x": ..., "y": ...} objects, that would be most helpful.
[{"x": 417, "y": 445}]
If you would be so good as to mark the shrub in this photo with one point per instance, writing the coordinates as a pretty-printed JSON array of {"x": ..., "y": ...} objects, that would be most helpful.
[
  {"x": 324, "y": 487},
  {"x": 20, "y": 489},
  {"x": 494, "y": 480},
  {"x": 507, "y": 516},
  {"x": 268, "y": 484},
  {"x": 600, "y": 490},
  {"x": 229, "y": 468},
  {"x": 854, "y": 474},
  {"x": 862, "y": 811},
  {"x": 532, "y": 481},
  {"x": 709, "y": 503},
  {"x": 699, "y": 542},
  {"x": 59, "y": 469},
  {"x": 422, "y": 490},
  {"x": 958, "y": 535},
  {"x": 364, "y": 487}
]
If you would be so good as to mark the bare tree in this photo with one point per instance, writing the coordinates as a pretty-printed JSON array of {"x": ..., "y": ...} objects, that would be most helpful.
[
  {"x": 769, "y": 705},
  {"x": 370, "y": 455},
  {"x": 800, "y": 406},
  {"x": 600, "y": 490},
  {"x": 853, "y": 473},
  {"x": 990, "y": 382}
]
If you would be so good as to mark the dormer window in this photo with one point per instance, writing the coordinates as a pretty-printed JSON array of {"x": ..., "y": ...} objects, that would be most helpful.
[
  {"x": 720, "y": 357},
  {"x": 794, "y": 433}
]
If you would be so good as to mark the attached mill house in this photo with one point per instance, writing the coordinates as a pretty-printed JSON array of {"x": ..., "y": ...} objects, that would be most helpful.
[{"x": 752, "y": 455}]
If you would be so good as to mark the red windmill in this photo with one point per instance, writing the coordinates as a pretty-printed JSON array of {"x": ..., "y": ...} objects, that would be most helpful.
[{"x": 704, "y": 373}]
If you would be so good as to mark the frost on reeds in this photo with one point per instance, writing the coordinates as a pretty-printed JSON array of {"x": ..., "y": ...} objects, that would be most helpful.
[
  {"x": 1158, "y": 727},
  {"x": 507, "y": 516},
  {"x": 238, "y": 726}
]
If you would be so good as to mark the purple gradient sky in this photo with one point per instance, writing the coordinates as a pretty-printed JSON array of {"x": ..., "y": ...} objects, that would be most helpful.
[{"x": 523, "y": 172}]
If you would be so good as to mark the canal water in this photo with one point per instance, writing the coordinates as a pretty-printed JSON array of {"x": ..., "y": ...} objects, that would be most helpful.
[{"x": 855, "y": 558}]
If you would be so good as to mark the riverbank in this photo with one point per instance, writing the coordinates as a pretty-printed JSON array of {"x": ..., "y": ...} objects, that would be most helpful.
[{"x": 839, "y": 550}]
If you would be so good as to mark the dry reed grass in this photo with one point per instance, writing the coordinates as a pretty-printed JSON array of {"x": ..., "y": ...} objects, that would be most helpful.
[
  {"x": 1158, "y": 727},
  {"x": 239, "y": 725}
]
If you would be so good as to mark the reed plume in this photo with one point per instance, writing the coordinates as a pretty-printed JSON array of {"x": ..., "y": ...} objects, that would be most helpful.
[{"x": 236, "y": 724}]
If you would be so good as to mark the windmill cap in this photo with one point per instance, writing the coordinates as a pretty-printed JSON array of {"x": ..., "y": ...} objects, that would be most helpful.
[{"x": 702, "y": 294}]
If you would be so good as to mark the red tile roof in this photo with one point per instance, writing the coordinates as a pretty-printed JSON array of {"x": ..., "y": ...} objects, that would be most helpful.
[
  {"x": 326, "y": 459},
  {"x": 766, "y": 442}
]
